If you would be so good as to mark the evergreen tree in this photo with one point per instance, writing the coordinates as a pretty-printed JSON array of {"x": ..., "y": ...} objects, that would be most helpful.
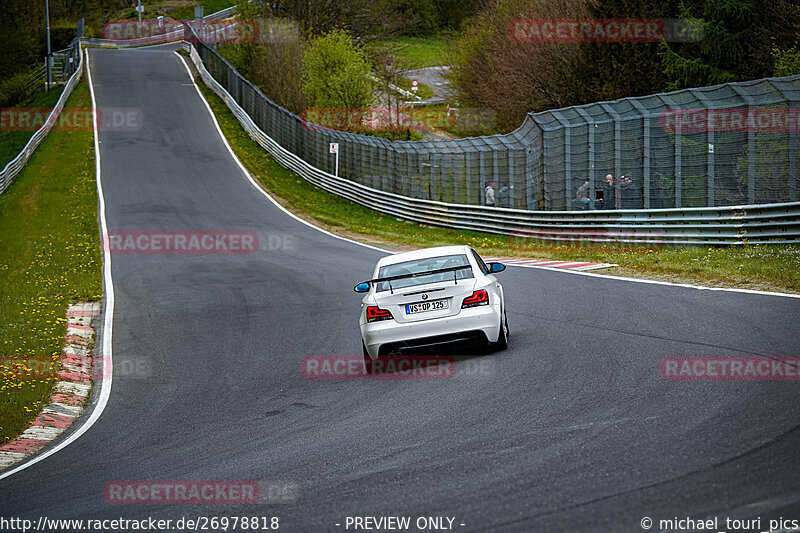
[
  {"x": 606, "y": 71},
  {"x": 735, "y": 42}
]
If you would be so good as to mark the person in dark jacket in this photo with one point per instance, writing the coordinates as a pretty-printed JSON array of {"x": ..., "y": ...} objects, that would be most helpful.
[
  {"x": 629, "y": 194},
  {"x": 504, "y": 196},
  {"x": 610, "y": 193}
]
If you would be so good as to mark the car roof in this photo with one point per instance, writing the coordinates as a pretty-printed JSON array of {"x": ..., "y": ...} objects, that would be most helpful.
[{"x": 423, "y": 253}]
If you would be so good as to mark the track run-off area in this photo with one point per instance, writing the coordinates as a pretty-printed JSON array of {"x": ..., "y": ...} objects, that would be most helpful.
[{"x": 572, "y": 428}]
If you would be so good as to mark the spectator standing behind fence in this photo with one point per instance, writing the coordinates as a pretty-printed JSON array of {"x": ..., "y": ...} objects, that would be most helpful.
[
  {"x": 609, "y": 193},
  {"x": 630, "y": 193},
  {"x": 504, "y": 196},
  {"x": 489, "y": 192},
  {"x": 582, "y": 196}
]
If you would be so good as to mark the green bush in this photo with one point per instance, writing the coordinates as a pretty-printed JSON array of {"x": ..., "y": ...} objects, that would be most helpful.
[
  {"x": 335, "y": 72},
  {"x": 17, "y": 88}
]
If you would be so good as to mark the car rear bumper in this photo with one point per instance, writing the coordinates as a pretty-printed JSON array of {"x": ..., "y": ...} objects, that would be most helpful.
[{"x": 473, "y": 326}]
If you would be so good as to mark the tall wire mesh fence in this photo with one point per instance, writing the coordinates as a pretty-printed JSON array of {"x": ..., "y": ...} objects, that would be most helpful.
[{"x": 730, "y": 144}]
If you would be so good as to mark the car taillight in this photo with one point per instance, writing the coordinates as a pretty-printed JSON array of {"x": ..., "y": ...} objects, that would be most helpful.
[
  {"x": 480, "y": 297},
  {"x": 375, "y": 313}
]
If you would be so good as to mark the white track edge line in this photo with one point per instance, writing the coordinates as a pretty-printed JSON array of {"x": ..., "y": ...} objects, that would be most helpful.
[
  {"x": 576, "y": 272},
  {"x": 105, "y": 390}
]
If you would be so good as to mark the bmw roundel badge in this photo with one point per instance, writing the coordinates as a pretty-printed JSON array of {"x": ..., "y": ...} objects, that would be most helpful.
[{"x": 424, "y": 296}]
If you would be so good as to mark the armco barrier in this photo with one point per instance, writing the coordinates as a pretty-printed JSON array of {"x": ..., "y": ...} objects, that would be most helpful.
[
  {"x": 773, "y": 223},
  {"x": 15, "y": 165},
  {"x": 221, "y": 14}
]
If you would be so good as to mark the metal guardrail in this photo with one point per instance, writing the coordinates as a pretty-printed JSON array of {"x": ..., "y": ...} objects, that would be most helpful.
[
  {"x": 221, "y": 14},
  {"x": 15, "y": 165},
  {"x": 768, "y": 223}
]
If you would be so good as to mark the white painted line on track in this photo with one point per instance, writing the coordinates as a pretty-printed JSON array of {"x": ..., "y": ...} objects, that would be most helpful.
[{"x": 105, "y": 388}]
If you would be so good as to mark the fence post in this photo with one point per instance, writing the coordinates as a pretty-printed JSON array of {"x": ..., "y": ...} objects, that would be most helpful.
[
  {"x": 617, "y": 137},
  {"x": 481, "y": 165},
  {"x": 421, "y": 176},
  {"x": 751, "y": 144},
  {"x": 529, "y": 191},
  {"x": 645, "y": 114},
  {"x": 495, "y": 171},
  {"x": 590, "y": 126},
  {"x": 433, "y": 174},
  {"x": 512, "y": 202},
  {"x": 442, "y": 164},
  {"x": 467, "y": 180},
  {"x": 567, "y": 161},
  {"x": 710, "y": 138},
  {"x": 409, "y": 187},
  {"x": 678, "y": 149},
  {"x": 793, "y": 113}
]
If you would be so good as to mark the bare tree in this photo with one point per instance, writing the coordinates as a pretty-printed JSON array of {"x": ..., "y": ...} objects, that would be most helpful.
[
  {"x": 278, "y": 63},
  {"x": 493, "y": 70}
]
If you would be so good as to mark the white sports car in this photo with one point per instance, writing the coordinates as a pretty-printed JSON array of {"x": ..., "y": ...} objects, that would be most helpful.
[{"x": 426, "y": 298}]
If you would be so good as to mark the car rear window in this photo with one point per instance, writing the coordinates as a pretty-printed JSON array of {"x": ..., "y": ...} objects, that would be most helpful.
[{"x": 423, "y": 265}]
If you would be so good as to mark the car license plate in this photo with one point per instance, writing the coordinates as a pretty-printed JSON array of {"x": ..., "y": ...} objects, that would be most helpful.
[{"x": 422, "y": 307}]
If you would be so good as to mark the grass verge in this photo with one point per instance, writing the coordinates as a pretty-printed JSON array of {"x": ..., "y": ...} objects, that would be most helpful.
[
  {"x": 773, "y": 267},
  {"x": 49, "y": 257},
  {"x": 419, "y": 52}
]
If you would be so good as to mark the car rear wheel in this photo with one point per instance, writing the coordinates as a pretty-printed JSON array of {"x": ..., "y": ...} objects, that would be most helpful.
[
  {"x": 502, "y": 340},
  {"x": 368, "y": 368}
]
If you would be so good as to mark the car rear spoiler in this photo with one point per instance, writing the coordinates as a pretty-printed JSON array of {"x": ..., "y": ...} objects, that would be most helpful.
[{"x": 390, "y": 279}]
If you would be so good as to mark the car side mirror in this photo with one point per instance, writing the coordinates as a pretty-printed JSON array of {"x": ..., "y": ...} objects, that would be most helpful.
[
  {"x": 362, "y": 287},
  {"x": 496, "y": 267}
]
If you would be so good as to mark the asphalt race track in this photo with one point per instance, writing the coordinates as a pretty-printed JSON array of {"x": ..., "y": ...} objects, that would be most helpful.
[{"x": 571, "y": 429}]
